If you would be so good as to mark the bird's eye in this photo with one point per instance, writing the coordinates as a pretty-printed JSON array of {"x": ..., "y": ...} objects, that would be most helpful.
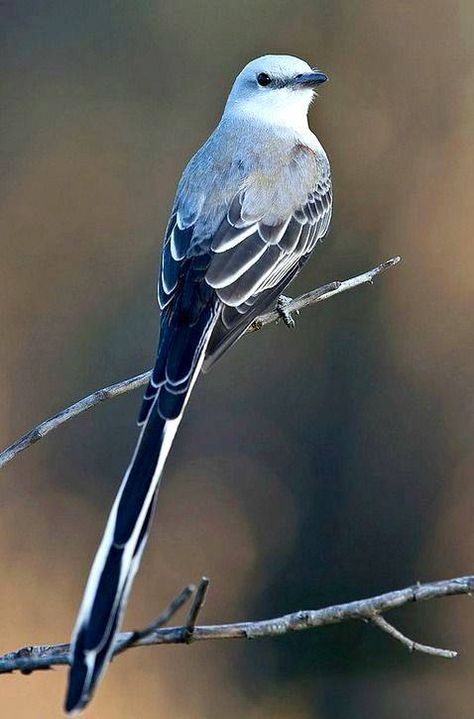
[{"x": 263, "y": 79}]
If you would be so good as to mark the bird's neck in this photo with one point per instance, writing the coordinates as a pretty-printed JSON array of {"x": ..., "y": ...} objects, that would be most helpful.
[
  {"x": 288, "y": 112},
  {"x": 283, "y": 124}
]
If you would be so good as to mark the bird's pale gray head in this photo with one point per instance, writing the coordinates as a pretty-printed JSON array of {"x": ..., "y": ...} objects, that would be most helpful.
[{"x": 275, "y": 88}]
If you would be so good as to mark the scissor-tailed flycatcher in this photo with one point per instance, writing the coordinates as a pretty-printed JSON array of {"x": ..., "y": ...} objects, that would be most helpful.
[{"x": 250, "y": 207}]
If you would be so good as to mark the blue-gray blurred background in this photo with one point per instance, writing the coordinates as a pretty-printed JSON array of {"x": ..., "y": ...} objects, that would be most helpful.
[{"x": 313, "y": 466}]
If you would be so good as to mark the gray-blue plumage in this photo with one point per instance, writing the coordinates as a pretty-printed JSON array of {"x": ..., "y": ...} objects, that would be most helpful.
[{"x": 250, "y": 207}]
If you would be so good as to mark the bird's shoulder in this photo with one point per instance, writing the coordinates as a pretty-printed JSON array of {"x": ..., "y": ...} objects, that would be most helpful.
[{"x": 275, "y": 171}]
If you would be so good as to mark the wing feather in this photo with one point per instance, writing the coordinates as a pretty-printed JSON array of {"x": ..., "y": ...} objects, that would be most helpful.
[
  {"x": 237, "y": 292},
  {"x": 245, "y": 294},
  {"x": 242, "y": 262},
  {"x": 228, "y": 267}
]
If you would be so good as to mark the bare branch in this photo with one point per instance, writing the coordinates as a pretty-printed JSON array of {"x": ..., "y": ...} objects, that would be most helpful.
[
  {"x": 388, "y": 628},
  {"x": 323, "y": 293},
  {"x": 196, "y": 606},
  {"x": 114, "y": 390},
  {"x": 33, "y": 658},
  {"x": 44, "y": 428},
  {"x": 138, "y": 635}
]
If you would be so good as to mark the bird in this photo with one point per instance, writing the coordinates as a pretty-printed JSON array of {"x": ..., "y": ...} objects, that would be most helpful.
[{"x": 249, "y": 209}]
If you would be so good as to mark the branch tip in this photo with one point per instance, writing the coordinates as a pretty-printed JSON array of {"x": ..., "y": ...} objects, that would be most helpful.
[
  {"x": 196, "y": 606},
  {"x": 410, "y": 644}
]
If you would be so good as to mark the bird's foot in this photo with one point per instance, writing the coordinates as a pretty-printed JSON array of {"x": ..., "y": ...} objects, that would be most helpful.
[{"x": 285, "y": 314}]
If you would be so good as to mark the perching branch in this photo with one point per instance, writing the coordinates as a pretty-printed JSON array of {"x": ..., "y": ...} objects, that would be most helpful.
[
  {"x": 322, "y": 293},
  {"x": 33, "y": 658},
  {"x": 114, "y": 390}
]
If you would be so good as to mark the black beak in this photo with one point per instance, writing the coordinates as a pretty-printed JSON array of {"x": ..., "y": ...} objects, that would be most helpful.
[{"x": 310, "y": 79}]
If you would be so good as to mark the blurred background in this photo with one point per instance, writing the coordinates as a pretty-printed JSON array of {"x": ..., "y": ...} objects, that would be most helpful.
[{"x": 313, "y": 466}]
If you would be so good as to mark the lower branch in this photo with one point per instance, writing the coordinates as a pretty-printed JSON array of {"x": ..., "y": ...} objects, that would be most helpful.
[{"x": 32, "y": 658}]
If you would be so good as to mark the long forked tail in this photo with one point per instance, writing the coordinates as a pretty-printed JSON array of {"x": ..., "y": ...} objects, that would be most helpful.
[{"x": 126, "y": 532}]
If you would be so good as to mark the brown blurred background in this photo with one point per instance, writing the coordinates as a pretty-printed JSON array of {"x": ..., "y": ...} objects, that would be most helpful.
[{"x": 312, "y": 467}]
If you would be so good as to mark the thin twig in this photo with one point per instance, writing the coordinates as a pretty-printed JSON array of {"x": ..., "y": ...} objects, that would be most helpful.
[
  {"x": 413, "y": 646},
  {"x": 32, "y": 658},
  {"x": 138, "y": 635},
  {"x": 196, "y": 606},
  {"x": 324, "y": 293},
  {"x": 114, "y": 390},
  {"x": 44, "y": 428}
]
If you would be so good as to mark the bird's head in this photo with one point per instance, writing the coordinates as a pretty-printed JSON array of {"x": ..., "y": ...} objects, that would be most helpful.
[{"x": 276, "y": 89}]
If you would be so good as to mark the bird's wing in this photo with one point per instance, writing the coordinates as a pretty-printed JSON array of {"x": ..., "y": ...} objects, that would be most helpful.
[
  {"x": 253, "y": 262},
  {"x": 244, "y": 264},
  {"x": 188, "y": 309}
]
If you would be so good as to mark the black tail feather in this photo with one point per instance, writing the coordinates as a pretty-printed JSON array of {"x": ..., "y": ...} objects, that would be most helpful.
[{"x": 127, "y": 528}]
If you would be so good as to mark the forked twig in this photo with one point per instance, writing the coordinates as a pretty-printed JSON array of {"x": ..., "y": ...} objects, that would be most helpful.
[
  {"x": 378, "y": 621},
  {"x": 33, "y": 658},
  {"x": 139, "y": 635}
]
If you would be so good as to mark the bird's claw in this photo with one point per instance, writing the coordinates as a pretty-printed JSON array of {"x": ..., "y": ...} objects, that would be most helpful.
[{"x": 285, "y": 314}]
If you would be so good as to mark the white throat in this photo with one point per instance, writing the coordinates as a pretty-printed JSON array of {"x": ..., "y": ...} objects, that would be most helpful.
[{"x": 286, "y": 109}]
